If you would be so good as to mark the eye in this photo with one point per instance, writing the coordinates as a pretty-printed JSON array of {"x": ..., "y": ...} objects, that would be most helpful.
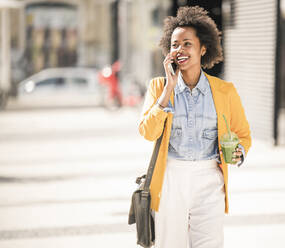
[
  {"x": 174, "y": 45},
  {"x": 187, "y": 43}
]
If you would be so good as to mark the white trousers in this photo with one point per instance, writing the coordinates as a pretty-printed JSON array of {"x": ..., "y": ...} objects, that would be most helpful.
[{"x": 192, "y": 206}]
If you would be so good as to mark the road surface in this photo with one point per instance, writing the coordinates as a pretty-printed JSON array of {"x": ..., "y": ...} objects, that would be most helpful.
[{"x": 66, "y": 177}]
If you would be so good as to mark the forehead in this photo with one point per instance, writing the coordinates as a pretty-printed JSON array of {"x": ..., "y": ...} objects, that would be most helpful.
[{"x": 181, "y": 33}]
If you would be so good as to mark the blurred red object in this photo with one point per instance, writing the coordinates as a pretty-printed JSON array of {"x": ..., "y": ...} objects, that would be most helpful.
[{"x": 109, "y": 76}]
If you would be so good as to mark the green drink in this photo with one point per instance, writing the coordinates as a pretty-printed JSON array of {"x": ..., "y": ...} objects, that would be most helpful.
[{"x": 229, "y": 142}]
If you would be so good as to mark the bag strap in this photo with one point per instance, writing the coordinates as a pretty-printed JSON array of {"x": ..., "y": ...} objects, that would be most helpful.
[
  {"x": 153, "y": 161},
  {"x": 153, "y": 158}
]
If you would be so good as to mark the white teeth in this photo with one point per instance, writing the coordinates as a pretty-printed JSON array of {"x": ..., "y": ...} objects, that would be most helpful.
[{"x": 180, "y": 58}]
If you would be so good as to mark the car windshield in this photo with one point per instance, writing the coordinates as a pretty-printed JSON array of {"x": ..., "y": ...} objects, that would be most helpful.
[
  {"x": 61, "y": 82},
  {"x": 50, "y": 82}
]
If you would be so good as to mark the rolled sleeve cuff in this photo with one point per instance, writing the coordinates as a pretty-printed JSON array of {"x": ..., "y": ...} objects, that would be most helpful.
[
  {"x": 158, "y": 112},
  {"x": 218, "y": 159},
  {"x": 168, "y": 109}
]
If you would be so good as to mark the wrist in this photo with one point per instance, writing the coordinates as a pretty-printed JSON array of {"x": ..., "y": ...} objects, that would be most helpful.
[
  {"x": 169, "y": 87},
  {"x": 160, "y": 106}
]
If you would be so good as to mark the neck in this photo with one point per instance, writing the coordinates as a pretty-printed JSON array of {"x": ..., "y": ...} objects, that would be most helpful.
[{"x": 191, "y": 78}]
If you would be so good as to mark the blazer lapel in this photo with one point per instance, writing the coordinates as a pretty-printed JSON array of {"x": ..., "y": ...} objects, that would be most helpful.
[{"x": 219, "y": 101}]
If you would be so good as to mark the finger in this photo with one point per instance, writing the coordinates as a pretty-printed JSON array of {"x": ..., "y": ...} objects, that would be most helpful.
[
  {"x": 168, "y": 61},
  {"x": 238, "y": 149},
  {"x": 168, "y": 56},
  {"x": 237, "y": 154},
  {"x": 168, "y": 69},
  {"x": 236, "y": 159}
]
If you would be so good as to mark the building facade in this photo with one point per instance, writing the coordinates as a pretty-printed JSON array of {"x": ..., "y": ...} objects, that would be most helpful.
[{"x": 252, "y": 49}]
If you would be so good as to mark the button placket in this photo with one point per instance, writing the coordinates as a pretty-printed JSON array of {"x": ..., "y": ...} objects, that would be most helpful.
[
  {"x": 191, "y": 157},
  {"x": 191, "y": 113}
]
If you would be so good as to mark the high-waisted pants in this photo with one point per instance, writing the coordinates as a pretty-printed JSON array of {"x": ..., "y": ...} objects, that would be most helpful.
[{"x": 192, "y": 206}]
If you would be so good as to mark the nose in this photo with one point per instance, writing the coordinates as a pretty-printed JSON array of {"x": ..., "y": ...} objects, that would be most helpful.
[
  {"x": 179, "y": 49},
  {"x": 176, "y": 50}
]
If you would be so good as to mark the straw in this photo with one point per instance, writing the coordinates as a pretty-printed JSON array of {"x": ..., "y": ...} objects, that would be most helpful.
[{"x": 229, "y": 131}]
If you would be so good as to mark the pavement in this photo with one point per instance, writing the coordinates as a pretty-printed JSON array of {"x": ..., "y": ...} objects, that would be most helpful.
[{"x": 67, "y": 174}]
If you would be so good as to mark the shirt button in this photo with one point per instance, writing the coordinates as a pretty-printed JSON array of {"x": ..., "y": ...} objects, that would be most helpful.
[{"x": 179, "y": 132}]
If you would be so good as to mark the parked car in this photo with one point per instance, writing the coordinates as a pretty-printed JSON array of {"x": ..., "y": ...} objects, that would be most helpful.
[{"x": 62, "y": 86}]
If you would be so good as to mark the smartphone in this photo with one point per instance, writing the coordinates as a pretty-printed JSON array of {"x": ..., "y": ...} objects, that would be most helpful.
[{"x": 172, "y": 68}]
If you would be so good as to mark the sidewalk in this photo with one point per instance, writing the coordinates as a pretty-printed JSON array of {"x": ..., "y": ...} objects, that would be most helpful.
[
  {"x": 257, "y": 199},
  {"x": 63, "y": 189}
]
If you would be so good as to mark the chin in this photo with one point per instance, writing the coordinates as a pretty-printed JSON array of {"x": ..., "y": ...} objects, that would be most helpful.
[
  {"x": 189, "y": 67},
  {"x": 185, "y": 67}
]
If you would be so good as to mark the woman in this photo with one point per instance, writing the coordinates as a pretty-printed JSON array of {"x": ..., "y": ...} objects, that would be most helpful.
[{"x": 189, "y": 187}]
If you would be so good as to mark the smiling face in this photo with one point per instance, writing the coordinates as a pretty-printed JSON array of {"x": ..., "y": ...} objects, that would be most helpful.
[{"x": 186, "y": 48}]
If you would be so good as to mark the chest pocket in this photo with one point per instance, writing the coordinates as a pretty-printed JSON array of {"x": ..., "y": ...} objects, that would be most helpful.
[
  {"x": 177, "y": 130},
  {"x": 210, "y": 134},
  {"x": 209, "y": 139}
]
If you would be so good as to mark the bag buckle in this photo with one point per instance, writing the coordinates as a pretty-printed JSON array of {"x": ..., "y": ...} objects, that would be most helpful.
[
  {"x": 139, "y": 179},
  {"x": 145, "y": 193}
]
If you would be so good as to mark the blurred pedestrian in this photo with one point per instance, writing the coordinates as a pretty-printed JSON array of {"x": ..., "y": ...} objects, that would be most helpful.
[
  {"x": 189, "y": 187},
  {"x": 110, "y": 76}
]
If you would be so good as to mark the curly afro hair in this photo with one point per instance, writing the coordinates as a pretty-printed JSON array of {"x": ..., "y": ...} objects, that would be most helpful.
[{"x": 206, "y": 30}]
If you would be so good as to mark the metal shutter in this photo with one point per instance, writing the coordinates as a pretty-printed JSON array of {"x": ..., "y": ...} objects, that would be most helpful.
[{"x": 249, "y": 47}]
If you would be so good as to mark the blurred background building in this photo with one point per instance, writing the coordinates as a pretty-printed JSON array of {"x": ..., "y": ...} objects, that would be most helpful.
[
  {"x": 38, "y": 34},
  {"x": 252, "y": 48}
]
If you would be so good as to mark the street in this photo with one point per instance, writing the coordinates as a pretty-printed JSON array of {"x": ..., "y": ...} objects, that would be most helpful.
[{"x": 67, "y": 175}]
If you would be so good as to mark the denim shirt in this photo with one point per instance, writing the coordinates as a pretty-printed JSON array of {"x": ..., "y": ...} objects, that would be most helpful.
[{"x": 194, "y": 133}]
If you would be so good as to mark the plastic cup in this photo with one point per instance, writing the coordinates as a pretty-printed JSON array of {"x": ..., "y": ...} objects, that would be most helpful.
[{"x": 229, "y": 143}]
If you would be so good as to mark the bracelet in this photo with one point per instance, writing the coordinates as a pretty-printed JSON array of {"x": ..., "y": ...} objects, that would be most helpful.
[{"x": 160, "y": 106}]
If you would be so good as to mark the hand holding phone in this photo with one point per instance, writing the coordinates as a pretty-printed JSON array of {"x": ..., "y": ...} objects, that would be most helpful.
[
  {"x": 171, "y": 73},
  {"x": 172, "y": 67}
]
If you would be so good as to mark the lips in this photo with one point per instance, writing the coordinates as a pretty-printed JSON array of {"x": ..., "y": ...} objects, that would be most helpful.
[{"x": 182, "y": 59}]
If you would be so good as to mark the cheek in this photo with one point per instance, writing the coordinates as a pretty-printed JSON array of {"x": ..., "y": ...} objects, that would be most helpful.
[
  {"x": 197, "y": 52},
  {"x": 172, "y": 50}
]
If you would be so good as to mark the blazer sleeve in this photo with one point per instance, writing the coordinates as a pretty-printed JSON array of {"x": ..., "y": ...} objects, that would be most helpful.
[
  {"x": 152, "y": 118},
  {"x": 239, "y": 123}
]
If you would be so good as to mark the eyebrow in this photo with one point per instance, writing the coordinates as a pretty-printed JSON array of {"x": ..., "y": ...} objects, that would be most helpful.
[{"x": 183, "y": 40}]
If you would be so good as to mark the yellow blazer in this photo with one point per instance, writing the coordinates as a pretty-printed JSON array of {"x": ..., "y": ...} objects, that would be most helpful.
[{"x": 227, "y": 102}]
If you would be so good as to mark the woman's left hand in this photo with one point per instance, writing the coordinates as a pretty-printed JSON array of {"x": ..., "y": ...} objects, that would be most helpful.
[{"x": 237, "y": 155}]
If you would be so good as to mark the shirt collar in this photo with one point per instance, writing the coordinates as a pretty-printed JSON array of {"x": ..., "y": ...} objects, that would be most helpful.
[{"x": 201, "y": 85}]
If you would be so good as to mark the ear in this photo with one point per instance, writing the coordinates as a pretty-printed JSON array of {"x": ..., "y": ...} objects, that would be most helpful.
[{"x": 203, "y": 50}]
